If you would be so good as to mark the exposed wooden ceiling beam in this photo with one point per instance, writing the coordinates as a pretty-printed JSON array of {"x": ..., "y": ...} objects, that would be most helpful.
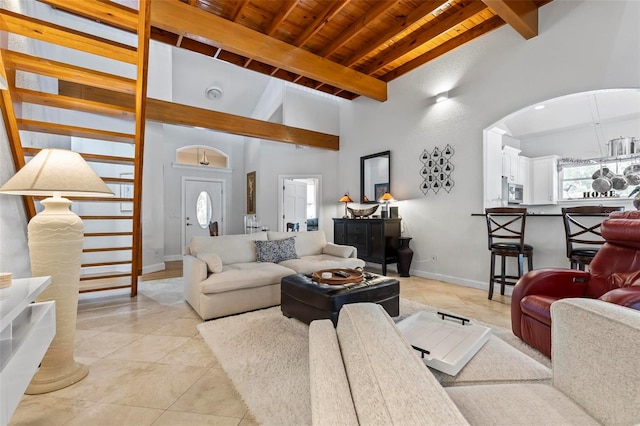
[
  {"x": 285, "y": 9},
  {"x": 522, "y": 15},
  {"x": 51, "y": 33},
  {"x": 237, "y": 13},
  {"x": 376, "y": 11},
  {"x": 180, "y": 18},
  {"x": 448, "y": 46},
  {"x": 422, "y": 36},
  {"x": 171, "y": 113},
  {"x": 418, "y": 13},
  {"x": 68, "y": 72},
  {"x": 333, "y": 8},
  {"x": 106, "y": 12},
  {"x": 283, "y": 12}
]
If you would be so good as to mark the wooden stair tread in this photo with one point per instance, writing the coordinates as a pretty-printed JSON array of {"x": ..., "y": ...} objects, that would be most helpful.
[
  {"x": 92, "y": 265},
  {"x": 76, "y": 104},
  {"x": 67, "y": 130},
  {"x": 103, "y": 249},
  {"x": 96, "y": 217},
  {"x": 67, "y": 72},
  {"x": 108, "y": 13},
  {"x": 102, "y": 276},
  {"x": 108, "y": 234},
  {"x": 56, "y": 34},
  {"x": 97, "y": 158}
]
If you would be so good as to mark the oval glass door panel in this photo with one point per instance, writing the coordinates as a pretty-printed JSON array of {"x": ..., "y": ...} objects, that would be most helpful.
[{"x": 203, "y": 209}]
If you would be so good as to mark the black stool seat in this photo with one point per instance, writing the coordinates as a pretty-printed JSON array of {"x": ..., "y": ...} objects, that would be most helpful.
[
  {"x": 582, "y": 232},
  {"x": 510, "y": 247},
  {"x": 505, "y": 226},
  {"x": 305, "y": 300}
]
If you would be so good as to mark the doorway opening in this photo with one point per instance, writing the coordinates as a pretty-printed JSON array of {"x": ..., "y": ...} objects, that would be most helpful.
[{"x": 299, "y": 201}]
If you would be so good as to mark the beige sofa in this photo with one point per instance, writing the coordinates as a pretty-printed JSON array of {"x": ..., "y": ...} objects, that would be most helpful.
[
  {"x": 365, "y": 372},
  {"x": 224, "y": 275}
]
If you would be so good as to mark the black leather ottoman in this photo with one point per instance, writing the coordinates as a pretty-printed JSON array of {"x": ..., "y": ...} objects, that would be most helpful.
[{"x": 303, "y": 299}]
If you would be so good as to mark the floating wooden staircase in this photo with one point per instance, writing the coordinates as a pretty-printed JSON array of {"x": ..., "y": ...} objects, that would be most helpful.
[{"x": 112, "y": 254}]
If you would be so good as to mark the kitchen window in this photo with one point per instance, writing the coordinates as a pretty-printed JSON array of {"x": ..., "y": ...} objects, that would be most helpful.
[{"x": 576, "y": 177}]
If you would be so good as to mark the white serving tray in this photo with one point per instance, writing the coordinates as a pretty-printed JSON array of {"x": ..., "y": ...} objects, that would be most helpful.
[{"x": 449, "y": 343}]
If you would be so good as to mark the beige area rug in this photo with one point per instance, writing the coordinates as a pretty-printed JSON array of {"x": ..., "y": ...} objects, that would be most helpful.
[{"x": 266, "y": 356}]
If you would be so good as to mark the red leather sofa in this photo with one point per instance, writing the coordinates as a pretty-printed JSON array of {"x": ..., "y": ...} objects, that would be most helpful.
[{"x": 613, "y": 276}]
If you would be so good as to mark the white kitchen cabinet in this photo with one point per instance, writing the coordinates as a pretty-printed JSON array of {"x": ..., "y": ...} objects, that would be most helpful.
[
  {"x": 26, "y": 330},
  {"x": 511, "y": 164},
  {"x": 544, "y": 180}
]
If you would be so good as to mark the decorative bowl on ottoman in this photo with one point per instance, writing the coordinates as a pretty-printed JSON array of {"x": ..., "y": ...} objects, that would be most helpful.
[{"x": 363, "y": 212}]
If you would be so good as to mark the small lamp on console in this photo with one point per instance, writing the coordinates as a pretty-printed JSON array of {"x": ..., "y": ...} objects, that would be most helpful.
[
  {"x": 386, "y": 199},
  {"x": 345, "y": 199},
  {"x": 55, "y": 249}
]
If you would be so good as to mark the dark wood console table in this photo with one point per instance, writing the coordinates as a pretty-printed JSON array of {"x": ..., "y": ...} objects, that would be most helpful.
[{"x": 375, "y": 239}]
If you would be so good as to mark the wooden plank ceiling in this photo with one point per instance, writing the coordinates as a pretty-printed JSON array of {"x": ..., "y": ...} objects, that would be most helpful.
[
  {"x": 362, "y": 42},
  {"x": 347, "y": 48}
]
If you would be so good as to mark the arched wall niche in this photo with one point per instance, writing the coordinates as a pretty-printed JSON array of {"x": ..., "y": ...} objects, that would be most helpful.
[{"x": 202, "y": 156}]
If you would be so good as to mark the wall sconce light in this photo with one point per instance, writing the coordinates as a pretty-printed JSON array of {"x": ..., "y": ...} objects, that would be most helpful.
[{"x": 441, "y": 97}]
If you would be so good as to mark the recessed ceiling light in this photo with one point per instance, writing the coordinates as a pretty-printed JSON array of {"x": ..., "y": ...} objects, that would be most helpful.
[{"x": 538, "y": 107}]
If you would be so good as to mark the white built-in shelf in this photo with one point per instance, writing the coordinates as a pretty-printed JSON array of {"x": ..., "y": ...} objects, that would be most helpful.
[{"x": 26, "y": 330}]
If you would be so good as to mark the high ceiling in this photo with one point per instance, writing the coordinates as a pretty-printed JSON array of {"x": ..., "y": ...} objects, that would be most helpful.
[
  {"x": 347, "y": 48},
  {"x": 354, "y": 44}
]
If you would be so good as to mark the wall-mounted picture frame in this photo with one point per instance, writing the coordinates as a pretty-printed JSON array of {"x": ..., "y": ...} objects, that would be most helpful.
[
  {"x": 251, "y": 193},
  {"x": 126, "y": 191},
  {"x": 380, "y": 189}
]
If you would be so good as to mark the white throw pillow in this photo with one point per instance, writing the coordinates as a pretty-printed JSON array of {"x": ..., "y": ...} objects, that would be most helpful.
[
  {"x": 337, "y": 250},
  {"x": 213, "y": 261}
]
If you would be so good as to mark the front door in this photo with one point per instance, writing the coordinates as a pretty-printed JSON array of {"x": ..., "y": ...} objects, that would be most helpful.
[{"x": 203, "y": 203}]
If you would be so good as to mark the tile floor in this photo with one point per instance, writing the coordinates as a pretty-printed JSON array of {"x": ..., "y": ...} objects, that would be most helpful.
[{"x": 149, "y": 366}]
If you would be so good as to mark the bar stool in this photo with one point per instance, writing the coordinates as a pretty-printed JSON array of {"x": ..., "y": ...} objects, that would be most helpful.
[
  {"x": 582, "y": 232},
  {"x": 505, "y": 227}
]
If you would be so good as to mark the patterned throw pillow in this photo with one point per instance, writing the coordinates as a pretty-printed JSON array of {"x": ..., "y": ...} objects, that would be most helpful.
[{"x": 276, "y": 250}]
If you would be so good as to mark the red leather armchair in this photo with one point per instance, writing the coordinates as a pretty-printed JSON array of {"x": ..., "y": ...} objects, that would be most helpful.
[{"x": 613, "y": 276}]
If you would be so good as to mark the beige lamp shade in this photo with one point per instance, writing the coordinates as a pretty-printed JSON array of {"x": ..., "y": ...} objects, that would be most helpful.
[
  {"x": 346, "y": 199},
  {"x": 57, "y": 171},
  {"x": 386, "y": 197}
]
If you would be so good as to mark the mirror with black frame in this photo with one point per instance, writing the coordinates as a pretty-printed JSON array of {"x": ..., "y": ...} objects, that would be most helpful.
[{"x": 375, "y": 176}]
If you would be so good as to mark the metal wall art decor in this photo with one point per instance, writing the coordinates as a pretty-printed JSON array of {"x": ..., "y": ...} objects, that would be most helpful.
[{"x": 436, "y": 170}]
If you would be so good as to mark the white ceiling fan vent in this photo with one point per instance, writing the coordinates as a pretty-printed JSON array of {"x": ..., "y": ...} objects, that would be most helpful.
[{"x": 213, "y": 92}]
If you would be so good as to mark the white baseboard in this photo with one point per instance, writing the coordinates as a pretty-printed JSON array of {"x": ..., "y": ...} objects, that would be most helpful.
[
  {"x": 153, "y": 268},
  {"x": 460, "y": 281},
  {"x": 172, "y": 257}
]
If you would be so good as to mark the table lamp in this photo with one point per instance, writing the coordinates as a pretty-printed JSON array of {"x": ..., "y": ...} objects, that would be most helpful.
[
  {"x": 345, "y": 199},
  {"x": 386, "y": 199},
  {"x": 55, "y": 237}
]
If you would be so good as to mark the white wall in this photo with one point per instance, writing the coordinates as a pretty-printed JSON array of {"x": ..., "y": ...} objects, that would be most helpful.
[
  {"x": 175, "y": 137},
  {"x": 583, "y": 45},
  {"x": 285, "y": 159}
]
